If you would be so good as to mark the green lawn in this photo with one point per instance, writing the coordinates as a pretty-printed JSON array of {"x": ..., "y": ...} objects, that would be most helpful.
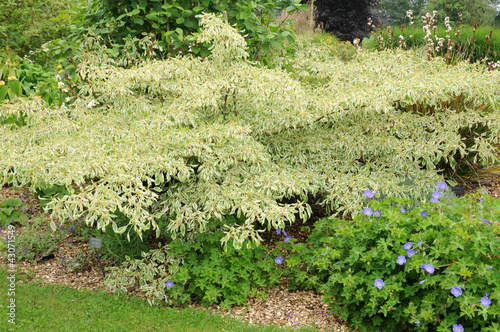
[{"x": 60, "y": 308}]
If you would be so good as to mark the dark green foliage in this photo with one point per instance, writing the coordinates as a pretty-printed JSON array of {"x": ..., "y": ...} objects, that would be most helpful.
[
  {"x": 215, "y": 276},
  {"x": 474, "y": 11},
  {"x": 171, "y": 25},
  {"x": 347, "y": 20},
  {"x": 395, "y": 10},
  {"x": 116, "y": 247},
  {"x": 46, "y": 194},
  {"x": 12, "y": 211},
  {"x": 26, "y": 24}
]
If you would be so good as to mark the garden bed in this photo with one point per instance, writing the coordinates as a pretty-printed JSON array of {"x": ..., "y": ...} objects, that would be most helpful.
[{"x": 282, "y": 307}]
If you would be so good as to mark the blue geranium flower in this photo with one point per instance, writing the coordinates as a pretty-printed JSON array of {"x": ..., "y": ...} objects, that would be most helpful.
[
  {"x": 434, "y": 200},
  {"x": 367, "y": 212},
  {"x": 379, "y": 283},
  {"x": 376, "y": 213},
  {"x": 369, "y": 193},
  {"x": 486, "y": 221},
  {"x": 424, "y": 214},
  {"x": 421, "y": 282},
  {"x": 456, "y": 291},
  {"x": 408, "y": 245},
  {"x": 401, "y": 260},
  {"x": 278, "y": 231},
  {"x": 288, "y": 237},
  {"x": 436, "y": 194},
  {"x": 441, "y": 185},
  {"x": 411, "y": 252},
  {"x": 420, "y": 242},
  {"x": 458, "y": 328},
  {"x": 169, "y": 284},
  {"x": 278, "y": 260},
  {"x": 485, "y": 301},
  {"x": 403, "y": 210},
  {"x": 429, "y": 268}
]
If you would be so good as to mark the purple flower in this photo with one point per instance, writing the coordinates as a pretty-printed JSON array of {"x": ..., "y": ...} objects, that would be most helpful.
[
  {"x": 429, "y": 268},
  {"x": 324, "y": 254},
  {"x": 288, "y": 237},
  {"x": 456, "y": 291},
  {"x": 285, "y": 233},
  {"x": 421, "y": 282},
  {"x": 436, "y": 194},
  {"x": 486, "y": 221},
  {"x": 489, "y": 267},
  {"x": 279, "y": 260},
  {"x": 458, "y": 328},
  {"x": 367, "y": 212},
  {"x": 369, "y": 194},
  {"x": 441, "y": 185},
  {"x": 424, "y": 214},
  {"x": 486, "y": 191},
  {"x": 434, "y": 200},
  {"x": 408, "y": 245},
  {"x": 486, "y": 294},
  {"x": 376, "y": 213},
  {"x": 337, "y": 262},
  {"x": 410, "y": 253},
  {"x": 169, "y": 284},
  {"x": 401, "y": 260},
  {"x": 278, "y": 231},
  {"x": 379, "y": 283},
  {"x": 485, "y": 301},
  {"x": 417, "y": 322},
  {"x": 420, "y": 242},
  {"x": 403, "y": 210}
]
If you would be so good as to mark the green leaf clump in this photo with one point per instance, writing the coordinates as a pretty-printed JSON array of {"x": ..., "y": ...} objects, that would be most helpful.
[{"x": 458, "y": 238}]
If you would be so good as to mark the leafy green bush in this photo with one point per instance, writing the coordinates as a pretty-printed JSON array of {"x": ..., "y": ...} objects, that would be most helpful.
[
  {"x": 423, "y": 269},
  {"x": 200, "y": 270},
  {"x": 26, "y": 24},
  {"x": 227, "y": 277},
  {"x": 172, "y": 25}
]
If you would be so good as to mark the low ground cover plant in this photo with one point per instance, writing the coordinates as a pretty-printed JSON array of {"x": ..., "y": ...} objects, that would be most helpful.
[
  {"x": 202, "y": 271},
  {"x": 429, "y": 268}
]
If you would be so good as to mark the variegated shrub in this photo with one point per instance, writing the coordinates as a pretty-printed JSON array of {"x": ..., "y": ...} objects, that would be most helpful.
[{"x": 188, "y": 140}]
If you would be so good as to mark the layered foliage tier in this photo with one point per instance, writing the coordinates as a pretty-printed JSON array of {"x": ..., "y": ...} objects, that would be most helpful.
[{"x": 175, "y": 144}]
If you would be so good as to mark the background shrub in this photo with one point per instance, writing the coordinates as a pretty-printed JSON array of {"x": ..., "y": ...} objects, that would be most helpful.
[
  {"x": 471, "y": 44},
  {"x": 172, "y": 25},
  {"x": 26, "y": 24}
]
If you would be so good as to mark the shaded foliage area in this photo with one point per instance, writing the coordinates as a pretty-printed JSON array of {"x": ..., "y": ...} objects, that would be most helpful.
[{"x": 345, "y": 19}]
